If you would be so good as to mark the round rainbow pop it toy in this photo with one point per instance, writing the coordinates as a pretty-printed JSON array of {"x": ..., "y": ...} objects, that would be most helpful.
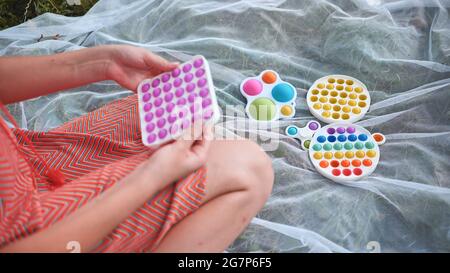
[
  {"x": 345, "y": 152},
  {"x": 268, "y": 97},
  {"x": 338, "y": 98},
  {"x": 172, "y": 101}
]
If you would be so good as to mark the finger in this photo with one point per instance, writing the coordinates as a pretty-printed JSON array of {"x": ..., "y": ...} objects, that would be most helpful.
[
  {"x": 201, "y": 147},
  {"x": 155, "y": 62},
  {"x": 190, "y": 135}
]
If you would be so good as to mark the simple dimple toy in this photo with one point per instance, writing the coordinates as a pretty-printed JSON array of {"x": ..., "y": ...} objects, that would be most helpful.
[
  {"x": 303, "y": 134},
  {"x": 338, "y": 98},
  {"x": 268, "y": 97},
  {"x": 345, "y": 152},
  {"x": 172, "y": 101}
]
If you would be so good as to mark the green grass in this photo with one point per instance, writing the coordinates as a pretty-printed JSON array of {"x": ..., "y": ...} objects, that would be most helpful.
[{"x": 14, "y": 12}]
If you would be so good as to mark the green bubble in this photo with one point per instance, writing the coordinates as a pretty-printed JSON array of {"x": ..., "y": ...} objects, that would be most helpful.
[
  {"x": 359, "y": 145},
  {"x": 306, "y": 144},
  {"x": 348, "y": 146},
  {"x": 337, "y": 146},
  {"x": 369, "y": 145},
  {"x": 327, "y": 147},
  {"x": 262, "y": 109},
  {"x": 317, "y": 147}
]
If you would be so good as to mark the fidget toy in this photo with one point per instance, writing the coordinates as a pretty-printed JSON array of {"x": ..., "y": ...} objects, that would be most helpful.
[
  {"x": 345, "y": 152},
  {"x": 303, "y": 134},
  {"x": 170, "y": 102},
  {"x": 268, "y": 97},
  {"x": 338, "y": 98}
]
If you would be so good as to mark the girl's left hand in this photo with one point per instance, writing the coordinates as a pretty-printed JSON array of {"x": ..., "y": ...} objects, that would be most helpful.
[{"x": 130, "y": 65}]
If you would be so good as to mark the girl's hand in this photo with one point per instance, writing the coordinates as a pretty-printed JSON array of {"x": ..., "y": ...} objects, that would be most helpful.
[
  {"x": 180, "y": 157},
  {"x": 130, "y": 65}
]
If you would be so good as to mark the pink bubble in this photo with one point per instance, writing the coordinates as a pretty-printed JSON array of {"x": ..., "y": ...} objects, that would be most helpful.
[
  {"x": 200, "y": 73},
  {"x": 151, "y": 138},
  {"x": 176, "y": 72},
  {"x": 198, "y": 63},
  {"x": 177, "y": 82},
  {"x": 155, "y": 82},
  {"x": 252, "y": 87},
  {"x": 147, "y": 107},
  {"x": 159, "y": 112},
  {"x": 165, "y": 77},
  {"x": 156, "y": 92},
  {"x": 168, "y": 97},
  {"x": 160, "y": 123},
  {"x": 170, "y": 107},
  {"x": 150, "y": 127},
  {"x": 145, "y": 87},
  {"x": 172, "y": 118},
  {"x": 162, "y": 133},
  {"x": 146, "y": 97}
]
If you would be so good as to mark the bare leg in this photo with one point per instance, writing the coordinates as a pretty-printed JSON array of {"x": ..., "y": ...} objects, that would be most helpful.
[{"x": 239, "y": 181}]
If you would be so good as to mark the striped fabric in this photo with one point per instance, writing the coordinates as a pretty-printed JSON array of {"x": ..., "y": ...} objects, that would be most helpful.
[{"x": 93, "y": 152}]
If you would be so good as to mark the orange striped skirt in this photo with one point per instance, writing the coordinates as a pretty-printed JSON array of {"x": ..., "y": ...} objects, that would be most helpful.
[{"x": 94, "y": 152}]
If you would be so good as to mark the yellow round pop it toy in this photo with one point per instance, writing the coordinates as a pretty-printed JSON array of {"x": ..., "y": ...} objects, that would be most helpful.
[{"x": 337, "y": 98}]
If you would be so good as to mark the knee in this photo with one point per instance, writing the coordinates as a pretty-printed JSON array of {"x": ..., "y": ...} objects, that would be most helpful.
[{"x": 254, "y": 172}]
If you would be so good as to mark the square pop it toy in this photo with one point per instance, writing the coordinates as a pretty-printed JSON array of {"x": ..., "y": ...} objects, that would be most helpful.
[
  {"x": 338, "y": 98},
  {"x": 268, "y": 97},
  {"x": 345, "y": 152},
  {"x": 170, "y": 102}
]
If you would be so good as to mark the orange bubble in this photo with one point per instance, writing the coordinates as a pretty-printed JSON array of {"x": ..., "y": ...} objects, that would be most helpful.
[
  {"x": 356, "y": 162},
  {"x": 378, "y": 137},
  {"x": 345, "y": 163},
  {"x": 269, "y": 77},
  {"x": 323, "y": 163},
  {"x": 367, "y": 162}
]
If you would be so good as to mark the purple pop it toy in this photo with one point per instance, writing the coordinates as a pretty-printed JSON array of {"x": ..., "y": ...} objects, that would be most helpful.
[{"x": 170, "y": 102}]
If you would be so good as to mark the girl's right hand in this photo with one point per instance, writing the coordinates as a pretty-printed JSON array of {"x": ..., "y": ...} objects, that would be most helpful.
[{"x": 179, "y": 158}]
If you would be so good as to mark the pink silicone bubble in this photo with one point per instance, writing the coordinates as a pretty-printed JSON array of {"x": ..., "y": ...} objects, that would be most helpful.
[
  {"x": 172, "y": 118},
  {"x": 177, "y": 82},
  {"x": 201, "y": 82},
  {"x": 148, "y": 117},
  {"x": 159, "y": 112},
  {"x": 151, "y": 138},
  {"x": 179, "y": 92},
  {"x": 156, "y": 92},
  {"x": 146, "y": 97},
  {"x": 181, "y": 101},
  {"x": 158, "y": 102},
  {"x": 170, "y": 107},
  {"x": 190, "y": 87},
  {"x": 188, "y": 77},
  {"x": 162, "y": 133},
  {"x": 173, "y": 129},
  {"x": 167, "y": 87},
  {"x": 198, "y": 63},
  {"x": 204, "y": 92},
  {"x": 206, "y": 102},
  {"x": 150, "y": 127},
  {"x": 252, "y": 87},
  {"x": 146, "y": 87},
  {"x": 192, "y": 97},
  {"x": 200, "y": 73},
  {"x": 155, "y": 82},
  {"x": 176, "y": 72},
  {"x": 187, "y": 68},
  {"x": 185, "y": 124},
  {"x": 147, "y": 107},
  {"x": 168, "y": 97},
  {"x": 165, "y": 77},
  {"x": 160, "y": 123},
  {"x": 208, "y": 114}
]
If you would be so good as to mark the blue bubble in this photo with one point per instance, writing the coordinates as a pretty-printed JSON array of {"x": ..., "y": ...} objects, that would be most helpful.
[
  {"x": 352, "y": 137},
  {"x": 362, "y": 137},
  {"x": 342, "y": 138},
  {"x": 292, "y": 131},
  {"x": 321, "y": 139},
  {"x": 283, "y": 92},
  {"x": 331, "y": 138}
]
